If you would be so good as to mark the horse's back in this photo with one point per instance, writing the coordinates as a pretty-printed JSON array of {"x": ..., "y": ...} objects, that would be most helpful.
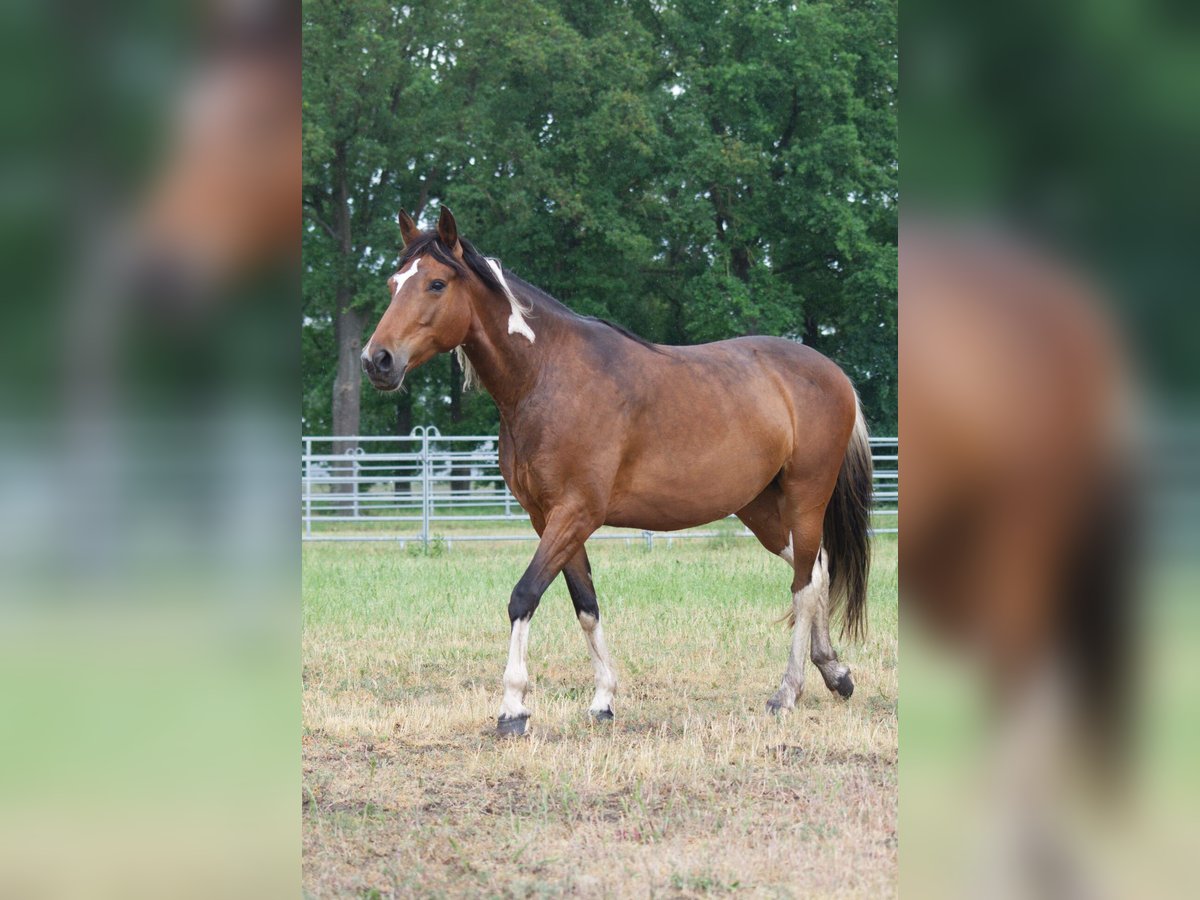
[
  {"x": 706, "y": 428},
  {"x": 770, "y": 382}
]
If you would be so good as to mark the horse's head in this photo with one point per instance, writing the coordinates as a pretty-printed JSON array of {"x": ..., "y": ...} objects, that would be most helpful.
[
  {"x": 430, "y": 311},
  {"x": 226, "y": 203}
]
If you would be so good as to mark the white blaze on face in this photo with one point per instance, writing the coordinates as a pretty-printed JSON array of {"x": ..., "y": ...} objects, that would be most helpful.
[{"x": 402, "y": 277}]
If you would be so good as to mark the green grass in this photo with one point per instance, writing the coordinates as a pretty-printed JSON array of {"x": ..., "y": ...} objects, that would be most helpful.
[{"x": 694, "y": 790}]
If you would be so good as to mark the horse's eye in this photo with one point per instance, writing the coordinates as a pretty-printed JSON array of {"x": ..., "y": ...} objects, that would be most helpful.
[{"x": 437, "y": 285}]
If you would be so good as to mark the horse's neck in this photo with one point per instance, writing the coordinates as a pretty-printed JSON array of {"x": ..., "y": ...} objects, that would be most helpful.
[{"x": 508, "y": 363}]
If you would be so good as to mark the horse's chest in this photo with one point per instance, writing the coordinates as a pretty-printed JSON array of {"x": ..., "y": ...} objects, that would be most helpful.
[
  {"x": 518, "y": 474},
  {"x": 520, "y": 482}
]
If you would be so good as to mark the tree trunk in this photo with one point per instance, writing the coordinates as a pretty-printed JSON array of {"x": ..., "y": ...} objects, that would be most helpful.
[
  {"x": 812, "y": 332},
  {"x": 347, "y": 387},
  {"x": 348, "y": 328},
  {"x": 404, "y": 425}
]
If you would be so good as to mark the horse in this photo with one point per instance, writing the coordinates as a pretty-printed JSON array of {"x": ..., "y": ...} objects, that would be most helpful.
[
  {"x": 1020, "y": 529},
  {"x": 600, "y": 427},
  {"x": 224, "y": 205},
  {"x": 1020, "y": 549}
]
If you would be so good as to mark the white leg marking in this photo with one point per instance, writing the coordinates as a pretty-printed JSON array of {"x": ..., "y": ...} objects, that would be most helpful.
[
  {"x": 606, "y": 676},
  {"x": 516, "y": 676},
  {"x": 822, "y": 652},
  {"x": 787, "y": 554},
  {"x": 401, "y": 277},
  {"x": 820, "y": 571},
  {"x": 806, "y": 602},
  {"x": 516, "y": 321}
]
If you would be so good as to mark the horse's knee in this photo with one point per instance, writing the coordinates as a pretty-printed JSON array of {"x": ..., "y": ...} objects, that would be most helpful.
[{"x": 522, "y": 603}]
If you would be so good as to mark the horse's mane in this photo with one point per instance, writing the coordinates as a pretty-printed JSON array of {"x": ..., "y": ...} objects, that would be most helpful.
[
  {"x": 429, "y": 244},
  {"x": 538, "y": 293},
  {"x": 622, "y": 330}
]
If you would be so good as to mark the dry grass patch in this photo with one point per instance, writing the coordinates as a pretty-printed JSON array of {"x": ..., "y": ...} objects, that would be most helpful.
[{"x": 693, "y": 790}]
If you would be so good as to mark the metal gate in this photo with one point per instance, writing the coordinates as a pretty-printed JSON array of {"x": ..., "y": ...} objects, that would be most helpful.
[{"x": 428, "y": 487}]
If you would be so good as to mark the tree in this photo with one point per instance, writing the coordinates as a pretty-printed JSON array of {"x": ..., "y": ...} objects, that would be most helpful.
[{"x": 693, "y": 170}]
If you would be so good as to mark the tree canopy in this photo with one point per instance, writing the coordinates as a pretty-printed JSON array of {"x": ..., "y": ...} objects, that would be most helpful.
[{"x": 693, "y": 170}]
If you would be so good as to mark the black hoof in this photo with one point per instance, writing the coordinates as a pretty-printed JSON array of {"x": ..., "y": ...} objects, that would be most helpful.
[
  {"x": 511, "y": 726},
  {"x": 602, "y": 715},
  {"x": 845, "y": 685}
]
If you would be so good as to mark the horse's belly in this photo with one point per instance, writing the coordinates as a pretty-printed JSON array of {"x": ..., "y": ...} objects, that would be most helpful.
[{"x": 681, "y": 491}]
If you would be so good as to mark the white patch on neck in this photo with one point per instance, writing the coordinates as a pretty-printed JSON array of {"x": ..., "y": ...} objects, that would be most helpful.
[
  {"x": 402, "y": 277},
  {"x": 516, "y": 321}
]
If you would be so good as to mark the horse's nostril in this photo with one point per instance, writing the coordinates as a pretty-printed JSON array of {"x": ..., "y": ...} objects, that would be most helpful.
[{"x": 382, "y": 360}]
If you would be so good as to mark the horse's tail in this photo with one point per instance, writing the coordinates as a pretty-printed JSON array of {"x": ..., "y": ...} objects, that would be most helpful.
[
  {"x": 847, "y": 531},
  {"x": 1100, "y": 627}
]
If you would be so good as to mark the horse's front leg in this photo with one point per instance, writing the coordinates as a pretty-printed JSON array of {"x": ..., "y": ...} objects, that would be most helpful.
[
  {"x": 562, "y": 537},
  {"x": 578, "y": 573}
]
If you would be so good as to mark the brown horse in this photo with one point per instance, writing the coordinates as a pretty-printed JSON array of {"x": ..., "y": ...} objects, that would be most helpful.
[
  {"x": 599, "y": 427},
  {"x": 1020, "y": 528},
  {"x": 1019, "y": 546},
  {"x": 225, "y": 203}
]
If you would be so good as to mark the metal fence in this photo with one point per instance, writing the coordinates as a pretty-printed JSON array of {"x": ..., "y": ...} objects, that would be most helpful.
[{"x": 429, "y": 488}]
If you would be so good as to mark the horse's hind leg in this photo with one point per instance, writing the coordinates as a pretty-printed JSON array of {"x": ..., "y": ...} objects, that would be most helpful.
[
  {"x": 809, "y": 586},
  {"x": 578, "y": 573},
  {"x": 764, "y": 517},
  {"x": 836, "y": 675}
]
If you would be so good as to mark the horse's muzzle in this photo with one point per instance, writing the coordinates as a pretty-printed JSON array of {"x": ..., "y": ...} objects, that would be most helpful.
[{"x": 383, "y": 370}]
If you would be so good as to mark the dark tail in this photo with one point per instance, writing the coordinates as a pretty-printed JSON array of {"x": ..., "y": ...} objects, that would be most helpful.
[
  {"x": 847, "y": 532},
  {"x": 1099, "y": 631}
]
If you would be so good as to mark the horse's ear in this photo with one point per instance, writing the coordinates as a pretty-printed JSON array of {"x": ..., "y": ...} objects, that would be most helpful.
[
  {"x": 448, "y": 231},
  {"x": 408, "y": 228}
]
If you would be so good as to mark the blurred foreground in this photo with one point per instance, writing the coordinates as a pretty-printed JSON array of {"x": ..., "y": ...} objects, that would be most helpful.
[
  {"x": 150, "y": 213},
  {"x": 1047, "y": 411}
]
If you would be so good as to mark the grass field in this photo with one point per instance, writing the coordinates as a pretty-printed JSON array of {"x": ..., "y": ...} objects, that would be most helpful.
[{"x": 693, "y": 791}]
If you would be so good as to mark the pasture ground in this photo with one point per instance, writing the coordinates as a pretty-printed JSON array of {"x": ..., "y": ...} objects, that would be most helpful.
[{"x": 694, "y": 790}]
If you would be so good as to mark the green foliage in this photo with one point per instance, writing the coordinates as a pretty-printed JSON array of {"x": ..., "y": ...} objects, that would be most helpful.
[{"x": 693, "y": 170}]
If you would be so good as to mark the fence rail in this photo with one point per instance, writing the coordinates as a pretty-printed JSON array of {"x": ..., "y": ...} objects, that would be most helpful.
[{"x": 427, "y": 487}]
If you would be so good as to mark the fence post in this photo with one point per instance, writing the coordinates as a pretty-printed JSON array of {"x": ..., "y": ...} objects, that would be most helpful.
[
  {"x": 354, "y": 474},
  {"x": 426, "y": 471},
  {"x": 649, "y": 536},
  {"x": 308, "y": 487}
]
